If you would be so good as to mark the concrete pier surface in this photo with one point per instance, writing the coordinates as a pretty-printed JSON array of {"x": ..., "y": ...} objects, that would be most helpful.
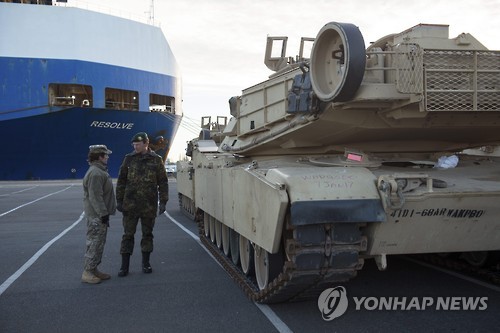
[{"x": 42, "y": 243}]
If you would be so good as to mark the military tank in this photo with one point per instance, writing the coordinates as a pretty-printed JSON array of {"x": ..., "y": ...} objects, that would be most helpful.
[{"x": 347, "y": 155}]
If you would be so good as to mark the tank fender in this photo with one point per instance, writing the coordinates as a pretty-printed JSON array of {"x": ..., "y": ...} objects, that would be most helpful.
[
  {"x": 251, "y": 205},
  {"x": 330, "y": 194}
]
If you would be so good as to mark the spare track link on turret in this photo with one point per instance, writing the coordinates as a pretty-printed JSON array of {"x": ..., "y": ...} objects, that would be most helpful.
[{"x": 301, "y": 277}]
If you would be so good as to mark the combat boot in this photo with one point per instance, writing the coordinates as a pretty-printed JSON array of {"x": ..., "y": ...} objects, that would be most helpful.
[
  {"x": 146, "y": 267},
  {"x": 101, "y": 275},
  {"x": 89, "y": 277},
  {"x": 125, "y": 263}
]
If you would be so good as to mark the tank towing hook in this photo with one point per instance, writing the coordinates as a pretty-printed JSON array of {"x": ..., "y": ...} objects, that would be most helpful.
[{"x": 391, "y": 188}]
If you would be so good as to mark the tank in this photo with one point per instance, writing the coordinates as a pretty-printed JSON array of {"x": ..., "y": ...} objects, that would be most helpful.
[{"x": 350, "y": 154}]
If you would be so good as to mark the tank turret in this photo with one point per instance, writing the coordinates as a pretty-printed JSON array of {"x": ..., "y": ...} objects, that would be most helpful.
[
  {"x": 350, "y": 154},
  {"x": 414, "y": 91}
]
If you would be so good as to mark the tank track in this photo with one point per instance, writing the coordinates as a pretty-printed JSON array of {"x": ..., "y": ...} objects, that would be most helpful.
[
  {"x": 489, "y": 273},
  {"x": 312, "y": 266}
]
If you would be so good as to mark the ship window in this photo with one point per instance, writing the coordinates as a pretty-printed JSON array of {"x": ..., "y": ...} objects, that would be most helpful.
[
  {"x": 161, "y": 103},
  {"x": 70, "y": 95},
  {"x": 33, "y": 2},
  {"x": 120, "y": 99}
]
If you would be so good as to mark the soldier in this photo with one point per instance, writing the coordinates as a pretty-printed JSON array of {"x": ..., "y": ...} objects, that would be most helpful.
[
  {"x": 99, "y": 202},
  {"x": 142, "y": 183}
]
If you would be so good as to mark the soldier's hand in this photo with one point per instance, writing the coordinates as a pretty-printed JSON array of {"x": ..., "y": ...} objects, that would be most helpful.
[
  {"x": 105, "y": 219},
  {"x": 161, "y": 209},
  {"x": 119, "y": 207}
]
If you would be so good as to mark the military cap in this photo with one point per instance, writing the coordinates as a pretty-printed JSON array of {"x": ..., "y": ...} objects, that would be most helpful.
[
  {"x": 99, "y": 149},
  {"x": 140, "y": 137}
]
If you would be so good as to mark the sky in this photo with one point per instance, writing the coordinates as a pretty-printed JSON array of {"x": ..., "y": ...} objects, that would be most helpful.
[{"x": 220, "y": 44}]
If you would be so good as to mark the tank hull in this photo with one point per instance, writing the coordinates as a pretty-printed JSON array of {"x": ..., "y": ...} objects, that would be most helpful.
[
  {"x": 254, "y": 197},
  {"x": 461, "y": 217},
  {"x": 324, "y": 221}
]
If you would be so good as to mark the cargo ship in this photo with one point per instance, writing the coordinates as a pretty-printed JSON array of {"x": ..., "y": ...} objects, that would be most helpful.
[{"x": 73, "y": 77}]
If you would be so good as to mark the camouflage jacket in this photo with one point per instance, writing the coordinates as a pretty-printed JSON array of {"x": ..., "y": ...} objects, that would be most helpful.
[
  {"x": 98, "y": 195},
  {"x": 142, "y": 182}
]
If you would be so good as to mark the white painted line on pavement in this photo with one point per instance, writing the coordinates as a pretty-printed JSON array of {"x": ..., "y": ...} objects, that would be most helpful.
[
  {"x": 37, "y": 255},
  {"x": 20, "y": 191},
  {"x": 265, "y": 309},
  {"x": 29, "y": 203},
  {"x": 273, "y": 318},
  {"x": 186, "y": 230},
  {"x": 194, "y": 236}
]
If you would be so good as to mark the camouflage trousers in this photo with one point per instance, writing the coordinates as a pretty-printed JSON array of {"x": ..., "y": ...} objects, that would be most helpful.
[
  {"x": 129, "y": 227},
  {"x": 96, "y": 238}
]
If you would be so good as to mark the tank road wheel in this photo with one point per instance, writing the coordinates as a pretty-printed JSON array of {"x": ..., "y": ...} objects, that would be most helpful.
[
  {"x": 234, "y": 246},
  {"x": 225, "y": 240},
  {"x": 218, "y": 234},
  {"x": 267, "y": 266},
  {"x": 212, "y": 229},
  {"x": 338, "y": 61},
  {"x": 206, "y": 224},
  {"x": 246, "y": 256}
]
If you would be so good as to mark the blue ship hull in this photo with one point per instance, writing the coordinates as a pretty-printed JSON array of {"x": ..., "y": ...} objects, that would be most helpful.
[
  {"x": 25, "y": 83},
  {"x": 55, "y": 145}
]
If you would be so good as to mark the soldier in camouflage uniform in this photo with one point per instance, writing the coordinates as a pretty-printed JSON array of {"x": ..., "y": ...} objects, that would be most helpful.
[
  {"x": 142, "y": 183},
  {"x": 99, "y": 202}
]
